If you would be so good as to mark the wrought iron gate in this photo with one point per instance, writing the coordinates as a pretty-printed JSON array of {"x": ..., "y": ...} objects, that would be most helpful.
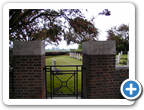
[{"x": 63, "y": 80}]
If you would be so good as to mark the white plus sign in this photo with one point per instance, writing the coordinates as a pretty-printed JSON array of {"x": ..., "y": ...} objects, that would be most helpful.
[{"x": 131, "y": 89}]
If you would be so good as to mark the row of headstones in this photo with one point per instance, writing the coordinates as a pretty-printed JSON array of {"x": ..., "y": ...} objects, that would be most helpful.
[
  {"x": 119, "y": 56},
  {"x": 75, "y": 55}
]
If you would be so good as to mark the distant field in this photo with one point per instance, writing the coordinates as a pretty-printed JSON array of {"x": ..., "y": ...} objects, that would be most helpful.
[
  {"x": 62, "y": 60},
  {"x": 57, "y": 50},
  {"x": 78, "y": 50}
]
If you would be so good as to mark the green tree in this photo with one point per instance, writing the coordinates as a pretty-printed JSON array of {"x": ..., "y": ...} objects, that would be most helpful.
[
  {"x": 50, "y": 25},
  {"x": 80, "y": 46},
  {"x": 121, "y": 35},
  {"x": 72, "y": 50}
]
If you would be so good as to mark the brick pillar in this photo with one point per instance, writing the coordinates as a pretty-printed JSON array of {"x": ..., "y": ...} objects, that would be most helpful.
[
  {"x": 99, "y": 64},
  {"x": 29, "y": 61}
]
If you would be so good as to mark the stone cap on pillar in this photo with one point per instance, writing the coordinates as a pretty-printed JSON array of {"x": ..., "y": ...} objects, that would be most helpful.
[
  {"x": 99, "y": 47},
  {"x": 28, "y": 48}
]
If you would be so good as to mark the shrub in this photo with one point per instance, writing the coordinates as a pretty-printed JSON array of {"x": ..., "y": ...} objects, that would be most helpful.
[
  {"x": 124, "y": 58},
  {"x": 55, "y": 53},
  {"x": 124, "y": 62}
]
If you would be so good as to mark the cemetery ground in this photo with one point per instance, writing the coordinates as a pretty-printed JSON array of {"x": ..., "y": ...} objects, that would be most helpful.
[
  {"x": 66, "y": 60},
  {"x": 123, "y": 59}
]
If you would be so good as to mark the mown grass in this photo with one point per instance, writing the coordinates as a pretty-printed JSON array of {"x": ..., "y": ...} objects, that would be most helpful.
[
  {"x": 123, "y": 59},
  {"x": 64, "y": 60}
]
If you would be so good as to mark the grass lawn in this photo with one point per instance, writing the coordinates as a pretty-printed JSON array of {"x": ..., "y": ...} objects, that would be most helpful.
[
  {"x": 123, "y": 59},
  {"x": 64, "y": 60}
]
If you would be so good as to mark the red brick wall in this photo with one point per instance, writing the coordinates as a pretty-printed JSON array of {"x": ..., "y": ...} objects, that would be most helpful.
[
  {"x": 11, "y": 79},
  {"x": 29, "y": 79},
  {"x": 100, "y": 79}
]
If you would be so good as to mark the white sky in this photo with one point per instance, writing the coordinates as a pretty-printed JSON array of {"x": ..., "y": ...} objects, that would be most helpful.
[{"x": 103, "y": 23}]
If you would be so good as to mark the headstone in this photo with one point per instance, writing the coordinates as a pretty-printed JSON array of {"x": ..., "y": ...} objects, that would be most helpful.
[
  {"x": 79, "y": 56},
  {"x": 118, "y": 59},
  {"x": 120, "y": 55},
  {"x": 121, "y": 52},
  {"x": 128, "y": 62},
  {"x": 128, "y": 55},
  {"x": 53, "y": 64}
]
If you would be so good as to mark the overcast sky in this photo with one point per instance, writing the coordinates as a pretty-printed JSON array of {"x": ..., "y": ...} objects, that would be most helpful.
[{"x": 103, "y": 23}]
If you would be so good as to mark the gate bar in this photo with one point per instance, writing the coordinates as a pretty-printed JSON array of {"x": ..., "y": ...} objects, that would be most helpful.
[
  {"x": 51, "y": 82},
  {"x": 81, "y": 81},
  {"x": 45, "y": 81},
  {"x": 74, "y": 83},
  {"x": 53, "y": 85},
  {"x": 77, "y": 81}
]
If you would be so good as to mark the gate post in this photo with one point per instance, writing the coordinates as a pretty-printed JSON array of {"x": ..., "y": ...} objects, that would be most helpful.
[
  {"x": 99, "y": 64},
  {"x": 29, "y": 61}
]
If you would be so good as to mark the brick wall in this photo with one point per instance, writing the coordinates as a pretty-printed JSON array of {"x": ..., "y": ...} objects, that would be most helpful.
[
  {"x": 11, "y": 81},
  {"x": 100, "y": 78},
  {"x": 119, "y": 77},
  {"x": 29, "y": 79}
]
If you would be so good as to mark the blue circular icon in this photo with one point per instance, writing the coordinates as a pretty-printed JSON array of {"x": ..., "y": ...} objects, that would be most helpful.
[{"x": 130, "y": 89}]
